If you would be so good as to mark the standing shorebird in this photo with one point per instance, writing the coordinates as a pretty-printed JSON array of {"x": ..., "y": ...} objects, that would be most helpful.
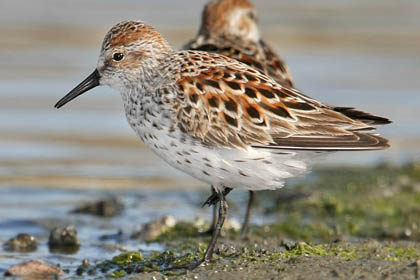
[
  {"x": 218, "y": 119},
  {"x": 230, "y": 28}
]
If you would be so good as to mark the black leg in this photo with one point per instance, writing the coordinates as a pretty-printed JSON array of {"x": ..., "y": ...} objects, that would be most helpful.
[
  {"x": 223, "y": 208},
  {"x": 208, "y": 255},
  {"x": 214, "y": 198},
  {"x": 214, "y": 218},
  {"x": 248, "y": 213}
]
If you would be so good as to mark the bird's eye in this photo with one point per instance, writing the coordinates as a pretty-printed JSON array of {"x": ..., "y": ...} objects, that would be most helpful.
[
  {"x": 117, "y": 56},
  {"x": 252, "y": 15}
]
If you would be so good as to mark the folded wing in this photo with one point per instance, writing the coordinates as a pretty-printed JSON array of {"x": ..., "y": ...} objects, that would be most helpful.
[{"x": 225, "y": 103}]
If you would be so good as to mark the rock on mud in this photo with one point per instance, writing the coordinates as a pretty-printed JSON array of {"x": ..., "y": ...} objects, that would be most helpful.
[
  {"x": 22, "y": 242},
  {"x": 35, "y": 269},
  {"x": 104, "y": 208},
  {"x": 64, "y": 240},
  {"x": 155, "y": 228}
]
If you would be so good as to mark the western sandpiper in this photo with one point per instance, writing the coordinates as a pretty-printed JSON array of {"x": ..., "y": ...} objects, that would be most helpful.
[
  {"x": 230, "y": 27},
  {"x": 217, "y": 119}
]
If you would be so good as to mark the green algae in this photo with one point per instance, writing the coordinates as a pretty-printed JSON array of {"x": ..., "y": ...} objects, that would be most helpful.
[
  {"x": 117, "y": 274},
  {"x": 298, "y": 231},
  {"x": 380, "y": 202},
  {"x": 127, "y": 258},
  {"x": 362, "y": 205},
  {"x": 401, "y": 253},
  {"x": 247, "y": 254},
  {"x": 181, "y": 229},
  {"x": 322, "y": 250}
]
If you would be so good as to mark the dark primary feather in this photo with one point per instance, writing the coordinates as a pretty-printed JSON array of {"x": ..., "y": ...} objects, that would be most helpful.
[
  {"x": 357, "y": 141},
  {"x": 362, "y": 116}
]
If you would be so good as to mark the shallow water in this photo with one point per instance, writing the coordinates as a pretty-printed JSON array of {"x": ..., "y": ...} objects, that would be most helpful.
[
  {"x": 38, "y": 210},
  {"x": 32, "y": 213},
  {"x": 351, "y": 54}
]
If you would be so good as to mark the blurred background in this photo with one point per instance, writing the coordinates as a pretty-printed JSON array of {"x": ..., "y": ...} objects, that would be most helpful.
[
  {"x": 357, "y": 53},
  {"x": 352, "y": 53}
]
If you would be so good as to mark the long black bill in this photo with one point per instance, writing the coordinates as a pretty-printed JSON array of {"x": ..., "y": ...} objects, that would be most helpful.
[{"x": 89, "y": 83}]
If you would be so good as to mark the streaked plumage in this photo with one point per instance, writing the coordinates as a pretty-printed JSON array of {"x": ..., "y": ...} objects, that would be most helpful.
[
  {"x": 254, "y": 136},
  {"x": 228, "y": 104},
  {"x": 230, "y": 28}
]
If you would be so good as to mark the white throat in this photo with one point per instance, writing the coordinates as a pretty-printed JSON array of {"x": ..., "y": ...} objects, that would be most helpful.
[{"x": 252, "y": 33}]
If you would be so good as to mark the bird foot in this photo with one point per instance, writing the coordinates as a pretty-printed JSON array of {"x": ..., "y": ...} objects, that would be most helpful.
[{"x": 214, "y": 198}]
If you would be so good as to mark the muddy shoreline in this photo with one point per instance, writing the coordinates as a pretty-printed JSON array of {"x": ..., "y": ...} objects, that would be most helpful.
[{"x": 341, "y": 223}]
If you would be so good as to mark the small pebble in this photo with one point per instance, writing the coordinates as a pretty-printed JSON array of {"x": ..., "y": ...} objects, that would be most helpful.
[
  {"x": 155, "y": 228},
  {"x": 104, "y": 208},
  {"x": 22, "y": 242},
  {"x": 35, "y": 269},
  {"x": 64, "y": 239}
]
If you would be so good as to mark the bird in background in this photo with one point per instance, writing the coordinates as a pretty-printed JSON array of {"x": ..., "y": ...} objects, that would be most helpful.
[
  {"x": 217, "y": 119},
  {"x": 230, "y": 28}
]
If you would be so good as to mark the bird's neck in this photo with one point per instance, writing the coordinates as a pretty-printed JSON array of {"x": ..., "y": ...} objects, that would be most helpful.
[{"x": 154, "y": 78}]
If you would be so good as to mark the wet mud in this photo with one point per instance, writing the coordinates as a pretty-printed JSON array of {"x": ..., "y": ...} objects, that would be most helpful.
[{"x": 339, "y": 223}]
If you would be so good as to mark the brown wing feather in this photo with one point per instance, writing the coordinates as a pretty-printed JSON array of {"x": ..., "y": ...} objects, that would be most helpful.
[
  {"x": 226, "y": 103},
  {"x": 276, "y": 67},
  {"x": 263, "y": 58},
  {"x": 258, "y": 55},
  {"x": 356, "y": 142}
]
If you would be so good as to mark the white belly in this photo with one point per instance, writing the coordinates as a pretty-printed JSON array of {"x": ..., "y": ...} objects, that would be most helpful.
[{"x": 255, "y": 169}]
